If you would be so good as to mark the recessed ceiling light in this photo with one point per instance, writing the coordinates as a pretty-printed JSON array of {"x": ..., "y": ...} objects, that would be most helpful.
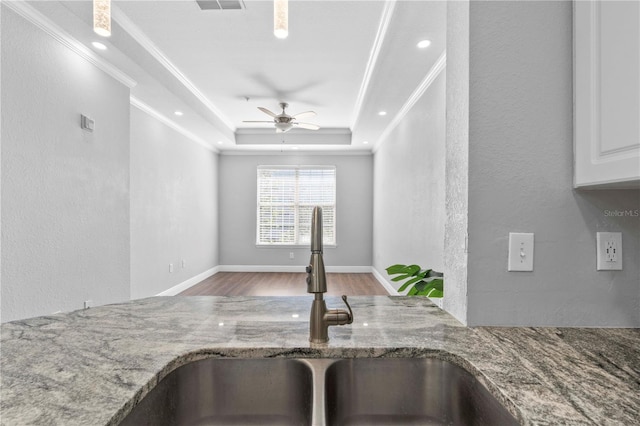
[
  {"x": 179, "y": 113},
  {"x": 365, "y": 142},
  {"x": 424, "y": 44},
  {"x": 99, "y": 45},
  {"x": 382, "y": 113},
  {"x": 219, "y": 142}
]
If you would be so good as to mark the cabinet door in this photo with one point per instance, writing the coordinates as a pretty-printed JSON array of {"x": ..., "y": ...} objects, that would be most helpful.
[{"x": 607, "y": 93}]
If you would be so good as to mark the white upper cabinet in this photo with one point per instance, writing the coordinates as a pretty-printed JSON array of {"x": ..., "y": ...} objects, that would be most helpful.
[{"x": 607, "y": 94}]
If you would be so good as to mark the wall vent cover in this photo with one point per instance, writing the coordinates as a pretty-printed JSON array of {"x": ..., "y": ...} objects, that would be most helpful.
[{"x": 220, "y": 4}]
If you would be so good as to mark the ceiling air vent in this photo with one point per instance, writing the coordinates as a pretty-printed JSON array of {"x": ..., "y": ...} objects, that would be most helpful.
[{"x": 220, "y": 4}]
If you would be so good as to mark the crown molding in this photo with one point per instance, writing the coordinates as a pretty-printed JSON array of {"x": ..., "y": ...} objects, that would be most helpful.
[
  {"x": 170, "y": 123},
  {"x": 294, "y": 131},
  {"x": 139, "y": 36},
  {"x": 385, "y": 20},
  {"x": 56, "y": 32},
  {"x": 433, "y": 73},
  {"x": 315, "y": 151}
]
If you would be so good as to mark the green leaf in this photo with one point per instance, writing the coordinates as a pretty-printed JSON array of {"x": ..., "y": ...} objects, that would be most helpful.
[
  {"x": 407, "y": 271},
  {"x": 425, "y": 287},
  {"x": 411, "y": 281},
  {"x": 401, "y": 277},
  {"x": 402, "y": 287},
  {"x": 402, "y": 269},
  {"x": 420, "y": 282},
  {"x": 395, "y": 269},
  {"x": 433, "y": 273},
  {"x": 437, "y": 283},
  {"x": 435, "y": 293},
  {"x": 421, "y": 286},
  {"x": 412, "y": 269},
  {"x": 427, "y": 272}
]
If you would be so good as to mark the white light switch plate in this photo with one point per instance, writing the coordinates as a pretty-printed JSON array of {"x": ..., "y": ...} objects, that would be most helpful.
[
  {"x": 609, "y": 251},
  {"x": 520, "y": 252}
]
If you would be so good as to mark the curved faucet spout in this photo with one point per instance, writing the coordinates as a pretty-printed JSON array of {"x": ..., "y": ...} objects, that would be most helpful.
[{"x": 316, "y": 230}]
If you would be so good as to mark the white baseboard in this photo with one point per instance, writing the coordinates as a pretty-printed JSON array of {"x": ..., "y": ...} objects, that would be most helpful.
[
  {"x": 438, "y": 301},
  {"x": 190, "y": 282},
  {"x": 349, "y": 269},
  {"x": 392, "y": 291},
  {"x": 292, "y": 268}
]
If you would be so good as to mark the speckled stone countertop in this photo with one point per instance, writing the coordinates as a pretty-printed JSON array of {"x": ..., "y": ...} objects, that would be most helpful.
[{"x": 88, "y": 367}]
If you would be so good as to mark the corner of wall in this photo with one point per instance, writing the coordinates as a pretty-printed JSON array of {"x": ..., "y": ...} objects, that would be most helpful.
[
  {"x": 457, "y": 160},
  {"x": 386, "y": 284}
]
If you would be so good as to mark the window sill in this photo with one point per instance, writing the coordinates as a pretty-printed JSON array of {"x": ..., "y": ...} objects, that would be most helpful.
[{"x": 292, "y": 246}]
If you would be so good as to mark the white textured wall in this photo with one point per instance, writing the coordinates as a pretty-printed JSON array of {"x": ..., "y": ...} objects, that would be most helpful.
[
  {"x": 354, "y": 215},
  {"x": 0, "y": 159},
  {"x": 520, "y": 180},
  {"x": 409, "y": 187},
  {"x": 174, "y": 206},
  {"x": 65, "y": 192},
  {"x": 457, "y": 160}
]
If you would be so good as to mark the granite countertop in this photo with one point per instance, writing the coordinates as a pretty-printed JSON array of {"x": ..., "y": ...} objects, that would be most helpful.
[{"x": 87, "y": 367}]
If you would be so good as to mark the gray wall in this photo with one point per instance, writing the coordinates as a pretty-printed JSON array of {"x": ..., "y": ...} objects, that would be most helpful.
[
  {"x": 238, "y": 211},
  {"x": 174, "y": 206},
  {"x": 65, "y": 192},
  {"x": 520, "y": 180},
  {"x": 409, "y": 187}
]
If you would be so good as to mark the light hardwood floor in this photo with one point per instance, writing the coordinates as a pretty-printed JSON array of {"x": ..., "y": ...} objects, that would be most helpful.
[{"x": 283, "y": 284}]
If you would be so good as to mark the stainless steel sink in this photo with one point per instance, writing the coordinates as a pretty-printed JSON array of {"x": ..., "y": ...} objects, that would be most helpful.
[
  {"x": 229, "y": 392},
  {"x": 362, "y": 391},
  {"x": 408, "y": 391}
]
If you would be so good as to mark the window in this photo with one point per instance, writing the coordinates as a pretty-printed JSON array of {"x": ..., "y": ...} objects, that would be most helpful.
[{"x": 286, "y": 198}]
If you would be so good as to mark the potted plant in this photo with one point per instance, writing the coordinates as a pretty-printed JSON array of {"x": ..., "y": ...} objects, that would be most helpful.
[{"x": 420, "y": 282}]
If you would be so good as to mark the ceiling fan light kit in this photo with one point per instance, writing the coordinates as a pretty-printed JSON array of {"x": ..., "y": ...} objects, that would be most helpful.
[
  {"x": 283, "y": 127},
  {"x": 102, "y": 17},
  {"x": 281, "y": 18}
]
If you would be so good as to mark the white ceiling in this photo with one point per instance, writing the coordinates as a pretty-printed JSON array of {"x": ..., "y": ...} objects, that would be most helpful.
[{"x": 346, "y": 60}]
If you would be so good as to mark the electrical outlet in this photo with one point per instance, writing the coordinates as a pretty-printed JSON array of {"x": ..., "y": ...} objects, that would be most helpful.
[
  {"x": 291, "y": 255},
  {"x": 171, "y": 268},
  {"x": 184, "y": 264},
  {"x": 609, "y": 251},
  {"x": 520, "y": 252},
  {"x": 610, "y": 248}
]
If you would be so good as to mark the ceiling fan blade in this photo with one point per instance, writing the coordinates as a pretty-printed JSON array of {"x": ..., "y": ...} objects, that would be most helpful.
[
  {"x": 247, "y": 121},
  {"x": 304, "y": 114},
  {"x": 307, "y": 126},
  {"x": 266, "y": 111}
]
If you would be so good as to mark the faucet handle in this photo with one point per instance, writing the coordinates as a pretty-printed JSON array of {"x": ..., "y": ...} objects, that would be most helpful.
[{"x": 344, "y": 298}]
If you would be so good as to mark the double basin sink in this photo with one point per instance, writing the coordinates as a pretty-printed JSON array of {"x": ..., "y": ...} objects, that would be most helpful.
[{"x": 360, "y": 391}]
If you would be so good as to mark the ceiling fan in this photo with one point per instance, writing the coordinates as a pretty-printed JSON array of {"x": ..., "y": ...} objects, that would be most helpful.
[{"x": 285, "y": 122}]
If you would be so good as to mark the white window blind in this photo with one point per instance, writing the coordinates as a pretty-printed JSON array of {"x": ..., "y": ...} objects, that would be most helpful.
[{"x": 286, "y": 198}]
